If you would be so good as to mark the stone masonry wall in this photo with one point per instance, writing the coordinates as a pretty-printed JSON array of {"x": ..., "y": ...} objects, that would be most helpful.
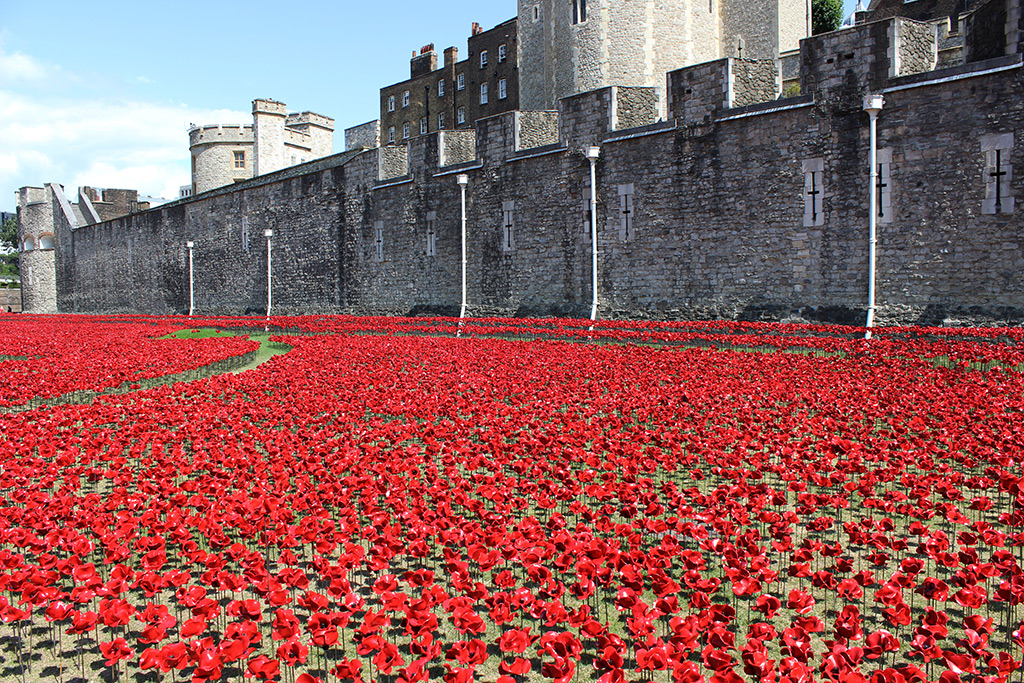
[
  {"x": 10, "y": 299},
  {"x": 754, "y": 81},
  {"x": 918, "y": 47},
  {"x": 715, "y": 228},
  {"x": 536, "y": 129}
]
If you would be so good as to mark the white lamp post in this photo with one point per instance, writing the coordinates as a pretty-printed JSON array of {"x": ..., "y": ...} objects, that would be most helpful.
[
  {"x": 268, "y": 234},
  {"x": 593, "y": 153},
  {"x": 463, "y": 180},
  {"x": 872, "y": 105},
  {"x": 191, "y": 289}
]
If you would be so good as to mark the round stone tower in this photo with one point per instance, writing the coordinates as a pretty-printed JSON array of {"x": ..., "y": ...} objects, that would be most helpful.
[
  {"x": 221, "y": 155},
  {"x": 36, "y": 243}
]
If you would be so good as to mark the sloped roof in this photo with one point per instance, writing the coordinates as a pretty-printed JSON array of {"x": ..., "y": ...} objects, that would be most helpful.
[{"x": 920, "y": 10}]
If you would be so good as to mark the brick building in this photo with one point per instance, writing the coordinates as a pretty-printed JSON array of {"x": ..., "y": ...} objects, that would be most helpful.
[{"x": 458, "y": 93}]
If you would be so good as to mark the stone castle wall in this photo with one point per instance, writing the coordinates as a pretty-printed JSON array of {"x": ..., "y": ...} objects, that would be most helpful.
[
  {"x": 10, "y": 299},
  {"x": 716, "y": 225}
]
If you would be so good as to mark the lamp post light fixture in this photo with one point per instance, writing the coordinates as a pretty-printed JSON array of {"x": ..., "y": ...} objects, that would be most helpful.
[
  {"x": 191, "y": 288},
  {"x": 593, "y": 154},
  {"x": 268, "y": 233},
  {"x": 872, "y": 105},
  {"x": 463, "y": 180}
]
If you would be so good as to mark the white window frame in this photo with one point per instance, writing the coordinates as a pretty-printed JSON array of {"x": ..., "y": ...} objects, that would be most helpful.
[
  {"x": 431, "y": 233},
  {"x": 378, "y": 240},
  {"x": 503, "y": 89},
  {"x": 883, "y": 186},
  {"x": 460, "y": 82},
  {"x": 814, "y": 193},
  {"x": 502, "y": 53},
  {"x": 483, "y": 59},
  {"x": 405, "y": 99},
  {"x": 391, "y": 134},
  {"x": 440, "y": 121},
  {"x": 406, "y": 131},
  {"x": 508, "y": 226},
  {"x": 460, "y": 116},
  {"x": 424, "y": 126},
  {"x": 579, "y": 11},
  {"x": 627, "y": 213},
  {"x": 485, "y": 93},
  {"x": 440, "y": 88},
  {"x": 391, "y": 103},
  {"x": 998, "y": 174}
]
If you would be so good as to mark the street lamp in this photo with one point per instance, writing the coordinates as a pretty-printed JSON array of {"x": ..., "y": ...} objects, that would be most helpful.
[
  {"x": 268, "y": 233},
  {"x": 872, "y": 105},
  {"x": 593, "y": 153},
  {"x": 463, "y": 180},
  {"x": 191, "y": 289}
]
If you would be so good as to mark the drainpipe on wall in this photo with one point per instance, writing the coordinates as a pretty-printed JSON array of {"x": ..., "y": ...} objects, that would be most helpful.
[
  {"x": 268, "y": 233},
  {"x": 872, "y": 105},
  {"x": 191, "y": 289},
  {"x": 593, "y": 153},
  {"x": 463, "y": 181}
]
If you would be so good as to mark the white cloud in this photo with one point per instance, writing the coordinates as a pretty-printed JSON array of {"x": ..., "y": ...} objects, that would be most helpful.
[{"x": 91, "y": 138}]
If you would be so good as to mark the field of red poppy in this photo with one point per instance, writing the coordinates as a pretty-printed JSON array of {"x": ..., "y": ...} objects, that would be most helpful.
[{"x": 407, "y": 500}]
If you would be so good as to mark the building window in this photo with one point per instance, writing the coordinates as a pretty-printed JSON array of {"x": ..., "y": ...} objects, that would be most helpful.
[
  {"x": 502, "y": 53},
  {"x": 460, "y": 81},
  {"x": 239, "y": 159},
  {"x": 391, "y": 134},
  {"x": 579, "y": 11},
  {"x": 440, "y": 88},
  {"x": 626, "y": 217},
  {"x": 502, "y": 88},
  {"x": 460, "y": 116},
  {"x": 440, "y": 121},
  {"x": 431, "y": 233},
  {"x": 883, "y": 186},
  {"x": 423, "y": 126},
  {"x": 814, "y": 193},
  {"x": 405, "y": 99},
  {"x": 998, "y": 150},
  {"x": 391, "y": 103},
  {"x": 483, "y": 93},
  {"x": 508, "y": 226},
  {"x": 378, "y": 240},
  {"x": 536, "y": 13},
  {"x": 483, "y": 58},
  {"x": 405, "y": 130}
]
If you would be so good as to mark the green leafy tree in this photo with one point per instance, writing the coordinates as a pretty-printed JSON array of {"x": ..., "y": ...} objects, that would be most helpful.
[
  {"x": 9, "y": 241},
  {"x": 826, "y": 15}
]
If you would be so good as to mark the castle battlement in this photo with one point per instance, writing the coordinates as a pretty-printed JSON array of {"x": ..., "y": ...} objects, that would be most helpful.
[
  {"x": 304, "y": 119},
  {"x": 219, "y": 134}
]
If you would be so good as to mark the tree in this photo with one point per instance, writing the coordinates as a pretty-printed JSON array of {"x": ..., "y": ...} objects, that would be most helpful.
[
  {"x": 826, "y": 15},
  {"x": 9, "y": 243}
]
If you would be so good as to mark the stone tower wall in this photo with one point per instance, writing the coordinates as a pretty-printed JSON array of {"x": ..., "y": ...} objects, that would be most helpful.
[
  {"x": 269, "y": 134},
  {"x": 213, "y": 155}
]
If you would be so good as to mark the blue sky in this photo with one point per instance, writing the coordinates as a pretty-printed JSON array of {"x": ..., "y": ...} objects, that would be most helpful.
[{"x": 101, "y": 93}]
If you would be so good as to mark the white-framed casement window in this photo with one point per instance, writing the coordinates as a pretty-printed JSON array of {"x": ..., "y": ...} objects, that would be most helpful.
[
  {"x": 627, "y": 229},
  {"x": 502, "y": 88},
  {"x": 460, "y": 82},
  {"x": 239, "y": 159},
  {"x": 431, "y": 233},
  {"x": 579, "y": 11},
  {"x": 391, "y": 103},
  {"x": 440, "y": 88},
  {"x": 405, "y": 99},
  {"x": 405, "y": 131},
  {"x": 460, "y": 116},
  {"x": 508, "y": 226},
  {"x": 998, "y": 174},
  {"x": 378, "y": 241},
  {"x": 883, "y": 187},
  {"x": 484, "y": 93},
  {"x": 502, "y": 53},
  {"x": 483, "y": 59},
  {"x": 814, "y": 193},
  {"x": 391, "y": 134},
  {"x": 440, "y": 121},
  {"x": 423, "y": 126}
]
